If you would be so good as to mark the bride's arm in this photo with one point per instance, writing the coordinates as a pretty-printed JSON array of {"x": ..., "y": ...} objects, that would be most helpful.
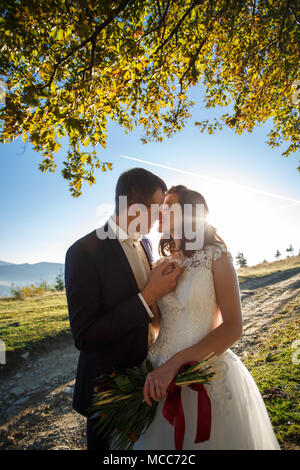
[
  {"x": 231, "y": 328},
  {"x": 216, "y": 342}
]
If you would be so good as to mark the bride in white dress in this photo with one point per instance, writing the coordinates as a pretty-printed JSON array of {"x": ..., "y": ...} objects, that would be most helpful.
[{"x": 202, "y": 315}]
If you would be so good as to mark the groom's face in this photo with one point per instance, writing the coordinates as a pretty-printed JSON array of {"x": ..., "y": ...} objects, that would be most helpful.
[
  {"x": 153, "y": 210},
  {"x": 141, "y": 219}
]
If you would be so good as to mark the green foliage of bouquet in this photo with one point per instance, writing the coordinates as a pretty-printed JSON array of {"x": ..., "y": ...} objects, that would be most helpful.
[{"x": 119, "y": 403}]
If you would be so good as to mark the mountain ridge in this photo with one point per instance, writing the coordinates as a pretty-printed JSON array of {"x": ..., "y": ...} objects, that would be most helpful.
[{"x": 26, "y": 273}]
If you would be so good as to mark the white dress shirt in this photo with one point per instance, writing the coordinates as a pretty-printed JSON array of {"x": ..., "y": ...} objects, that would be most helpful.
[{"x": 136, "y": 257}]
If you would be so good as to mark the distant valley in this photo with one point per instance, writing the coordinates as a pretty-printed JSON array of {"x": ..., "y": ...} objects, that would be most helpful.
[{"x": 24, "y": 274}]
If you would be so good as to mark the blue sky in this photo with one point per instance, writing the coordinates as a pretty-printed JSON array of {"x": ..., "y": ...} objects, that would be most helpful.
[{"x": 40, "y": 219}]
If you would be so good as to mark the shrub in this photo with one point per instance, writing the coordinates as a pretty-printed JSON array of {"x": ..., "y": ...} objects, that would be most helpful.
[{"x": 20, "y": 292}]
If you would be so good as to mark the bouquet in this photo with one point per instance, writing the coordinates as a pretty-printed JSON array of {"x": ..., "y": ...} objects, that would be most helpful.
[{"x": 123, "y": 415}]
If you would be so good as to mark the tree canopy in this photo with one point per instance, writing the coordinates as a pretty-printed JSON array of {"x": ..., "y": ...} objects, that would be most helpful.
[{"x": 70, "y": 65}]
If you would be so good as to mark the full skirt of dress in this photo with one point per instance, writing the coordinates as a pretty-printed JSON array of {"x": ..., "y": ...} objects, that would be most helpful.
[{"x": 240, "y": 420}]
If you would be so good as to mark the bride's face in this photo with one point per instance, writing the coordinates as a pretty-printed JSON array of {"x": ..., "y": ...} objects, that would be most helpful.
[{"x": 170, "y": 202}]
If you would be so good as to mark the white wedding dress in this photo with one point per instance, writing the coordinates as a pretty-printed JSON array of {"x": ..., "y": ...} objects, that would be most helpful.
[{"x": 239, "y": 417}]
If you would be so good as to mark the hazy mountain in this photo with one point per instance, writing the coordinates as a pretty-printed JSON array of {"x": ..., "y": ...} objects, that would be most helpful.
[{"x": 24, "y": 274}]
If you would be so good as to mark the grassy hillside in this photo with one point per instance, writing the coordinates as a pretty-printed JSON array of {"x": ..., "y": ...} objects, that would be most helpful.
[
  {"x": 25, "y": 323},
  {"x": 275, "y": 369},
  {"x": 266, "y": 269}
]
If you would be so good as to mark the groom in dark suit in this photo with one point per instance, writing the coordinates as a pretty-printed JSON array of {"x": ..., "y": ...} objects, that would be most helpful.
[{"x": 111, "y": 292}]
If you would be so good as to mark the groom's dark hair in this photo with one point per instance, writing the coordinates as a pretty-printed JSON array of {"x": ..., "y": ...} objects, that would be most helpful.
[{"x": 138, "y": 185}]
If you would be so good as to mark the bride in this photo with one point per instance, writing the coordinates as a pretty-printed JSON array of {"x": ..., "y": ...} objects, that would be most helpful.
[{"x": 202, "y": 316}]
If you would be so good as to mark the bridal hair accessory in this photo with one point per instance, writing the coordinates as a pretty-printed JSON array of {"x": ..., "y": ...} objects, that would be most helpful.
[{"x": 123, "y": 415}]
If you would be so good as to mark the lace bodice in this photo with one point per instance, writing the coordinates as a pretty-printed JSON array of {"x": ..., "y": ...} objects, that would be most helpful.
[
  {"x": 188, "y": 312},
  {"x": 239, "y": 418}
]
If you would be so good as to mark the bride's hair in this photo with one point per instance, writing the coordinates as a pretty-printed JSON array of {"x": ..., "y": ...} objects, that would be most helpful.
[{"x": 188, "y": 196}]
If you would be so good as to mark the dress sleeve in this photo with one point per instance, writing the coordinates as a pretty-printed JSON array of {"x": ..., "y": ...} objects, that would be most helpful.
[{"x": 217, "y": 251}]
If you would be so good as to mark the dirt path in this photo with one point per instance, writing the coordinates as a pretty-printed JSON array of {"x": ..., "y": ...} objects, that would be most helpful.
[
  {"x": 36, "y": 402},
  {"x": 261, "y": 306},
  {"x": 36, "y": 397}
]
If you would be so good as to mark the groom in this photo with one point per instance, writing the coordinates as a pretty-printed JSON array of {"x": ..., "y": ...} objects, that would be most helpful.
[{"x": 111, "y": 291}]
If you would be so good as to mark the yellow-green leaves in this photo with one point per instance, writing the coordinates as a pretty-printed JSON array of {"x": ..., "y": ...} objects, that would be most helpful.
[
  {"x": 60, "y": 34},
  {"x": 71, "y": 67}
]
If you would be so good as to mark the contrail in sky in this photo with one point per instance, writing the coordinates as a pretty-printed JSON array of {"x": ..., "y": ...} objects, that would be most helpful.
[{"x": 215, "y": 180}]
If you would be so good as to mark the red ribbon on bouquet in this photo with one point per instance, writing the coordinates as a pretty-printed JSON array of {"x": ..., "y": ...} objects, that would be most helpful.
[{"x": 173, "y": 411}]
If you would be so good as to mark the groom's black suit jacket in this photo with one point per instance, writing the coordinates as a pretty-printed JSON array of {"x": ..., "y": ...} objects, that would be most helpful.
[{"x": 109, "y": 322}]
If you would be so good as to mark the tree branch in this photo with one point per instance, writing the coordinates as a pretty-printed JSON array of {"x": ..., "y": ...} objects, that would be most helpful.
[
  {"x": 91, "y": 38},
  {"x": 193, "y": 60},
  {"x": 92, "y": 62},
  {"x": 174, "y": 31},
  {"x": 161, "y": 21},
  {"x": 158, "y": 7},
  {"x": 283, "y": 21},
  {"x": 294, "y": 15},
  {"x": 198, "y": 50}
]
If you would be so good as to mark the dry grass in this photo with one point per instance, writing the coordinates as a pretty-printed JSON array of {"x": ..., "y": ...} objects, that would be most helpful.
[{"x": 265, "y": 269}]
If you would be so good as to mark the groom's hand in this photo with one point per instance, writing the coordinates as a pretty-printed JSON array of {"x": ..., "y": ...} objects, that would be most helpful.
[{"x": 162, "y": 280}]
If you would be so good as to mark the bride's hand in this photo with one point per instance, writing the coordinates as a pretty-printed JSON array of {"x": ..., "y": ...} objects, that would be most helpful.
[{"x": 157, "y": 382}]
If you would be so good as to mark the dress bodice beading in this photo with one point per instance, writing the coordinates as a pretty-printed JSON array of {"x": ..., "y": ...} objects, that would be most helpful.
[
  {"x": 188, "y": 312},
  {"x": 187, "y": 316}
]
